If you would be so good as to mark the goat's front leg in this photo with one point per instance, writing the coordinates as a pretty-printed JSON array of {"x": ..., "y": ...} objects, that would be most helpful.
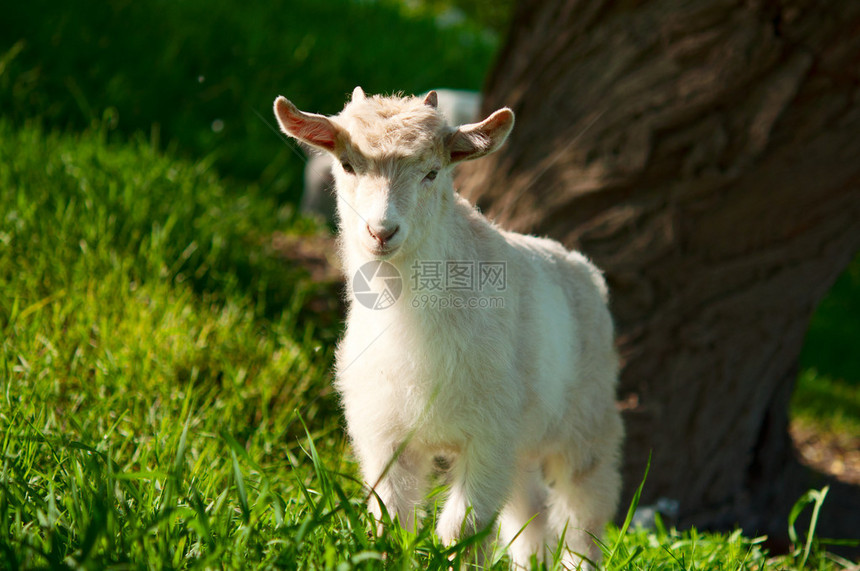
[
  {"x": 397, "y": 476},
  {"x": 480, "y": 481}
]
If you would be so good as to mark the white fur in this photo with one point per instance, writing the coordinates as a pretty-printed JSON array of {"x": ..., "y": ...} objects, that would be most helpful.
[{"x": 520, "y": 398}]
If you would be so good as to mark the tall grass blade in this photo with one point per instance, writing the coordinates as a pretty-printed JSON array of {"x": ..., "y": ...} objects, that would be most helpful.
[
  {"x": 180, "y": 449},
  {"x": 634, "y": 503},
  {"x": 816, "y": 498},
  {"x": 240, "y": 487}
]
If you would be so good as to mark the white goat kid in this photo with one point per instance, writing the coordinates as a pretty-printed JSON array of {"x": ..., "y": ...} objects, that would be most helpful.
[{"x": 519, "y": 397}]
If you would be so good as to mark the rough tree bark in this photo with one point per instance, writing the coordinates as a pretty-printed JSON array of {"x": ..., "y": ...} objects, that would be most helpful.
[{"x": 706, "y": 154}]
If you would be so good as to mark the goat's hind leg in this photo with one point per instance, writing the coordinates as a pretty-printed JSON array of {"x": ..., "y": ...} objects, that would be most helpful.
[
  {"x": 524, "y": 519},
  {"x": 582, "y": 500}
]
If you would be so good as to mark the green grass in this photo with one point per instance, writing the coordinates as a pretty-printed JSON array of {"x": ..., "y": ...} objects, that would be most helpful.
[
  {"x": 164, "y": 404},
  {"x": 145, "y": 331}
]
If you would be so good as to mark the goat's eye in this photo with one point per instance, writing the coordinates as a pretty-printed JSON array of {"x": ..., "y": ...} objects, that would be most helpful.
[
  {"x": 431, "y": 175},
  {"x": 347, "y": 167}
]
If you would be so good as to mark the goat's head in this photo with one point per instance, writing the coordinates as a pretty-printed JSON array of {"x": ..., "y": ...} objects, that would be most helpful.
[{"x": 393, "y": 162}]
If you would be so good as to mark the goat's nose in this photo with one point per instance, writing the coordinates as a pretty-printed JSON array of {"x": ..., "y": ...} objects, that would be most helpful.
[{"x": 382, "y": 234}]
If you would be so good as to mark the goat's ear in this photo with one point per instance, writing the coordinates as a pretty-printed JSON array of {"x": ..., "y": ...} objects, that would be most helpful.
[
  {"x": 315, "y": 130},
  {"x": 357, "y": 94},
  {"x": 431, "y": 99},
  {"x": 478, "y": 139}
]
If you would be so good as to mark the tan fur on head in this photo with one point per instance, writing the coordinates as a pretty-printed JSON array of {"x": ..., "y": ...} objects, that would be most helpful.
[{"x": 392, "y": 126}]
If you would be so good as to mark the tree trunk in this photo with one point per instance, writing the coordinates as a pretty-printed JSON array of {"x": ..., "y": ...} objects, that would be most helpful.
[{"x": 706, "y": 155}]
